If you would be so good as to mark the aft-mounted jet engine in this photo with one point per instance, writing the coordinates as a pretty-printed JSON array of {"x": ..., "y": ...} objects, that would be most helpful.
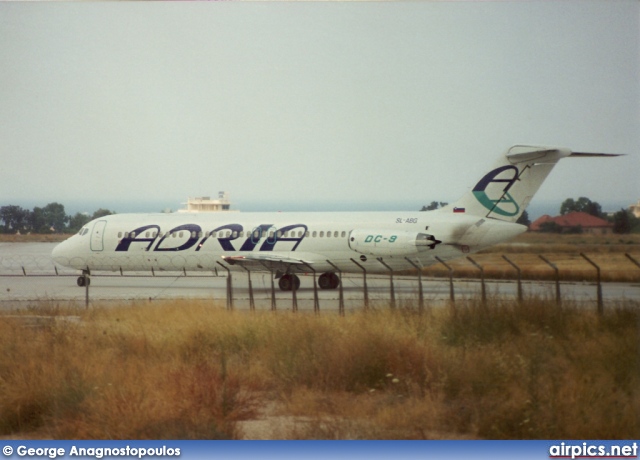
[{"x": 389, "y": 243}]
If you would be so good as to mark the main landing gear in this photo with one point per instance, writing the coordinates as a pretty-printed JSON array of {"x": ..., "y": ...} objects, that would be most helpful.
[
  {"x": 328, "y": 281},
  {"x": 325, "y": 281},
  {"x": 289, "y": 282}
]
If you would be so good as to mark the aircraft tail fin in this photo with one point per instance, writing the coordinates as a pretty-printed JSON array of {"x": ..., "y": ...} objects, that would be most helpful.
[{"x": 506, "y": 190}]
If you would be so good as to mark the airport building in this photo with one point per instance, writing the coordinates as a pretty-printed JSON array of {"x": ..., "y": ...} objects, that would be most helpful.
[
  {"x": 635, "y": 209},
  {"x": 207, "y": 204}
]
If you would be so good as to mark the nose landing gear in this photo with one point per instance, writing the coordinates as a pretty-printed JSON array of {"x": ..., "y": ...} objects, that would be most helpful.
[{"x": 84, "y": 280}]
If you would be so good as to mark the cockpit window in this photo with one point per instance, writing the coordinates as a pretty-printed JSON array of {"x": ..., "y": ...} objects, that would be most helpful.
[{"x": 83, "y": 231}]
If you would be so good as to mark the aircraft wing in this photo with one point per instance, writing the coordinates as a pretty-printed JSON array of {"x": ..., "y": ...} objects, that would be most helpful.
[{"x": 271, "y": 262}]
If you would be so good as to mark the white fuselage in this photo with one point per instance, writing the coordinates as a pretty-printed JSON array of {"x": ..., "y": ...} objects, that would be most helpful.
[{"x": 324, "y": 242}]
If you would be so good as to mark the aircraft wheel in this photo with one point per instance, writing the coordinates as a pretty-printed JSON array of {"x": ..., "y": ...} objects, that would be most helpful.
[
  {"x": 81, "y": 281},
  {"x": 287, "y": 282},
  {"x": 328, "y": 281}
]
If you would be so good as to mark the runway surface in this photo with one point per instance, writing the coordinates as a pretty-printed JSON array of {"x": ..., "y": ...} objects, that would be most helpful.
[{"x": 28, "y": 275}]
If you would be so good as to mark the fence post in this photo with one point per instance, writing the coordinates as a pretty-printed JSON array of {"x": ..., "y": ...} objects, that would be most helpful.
[
  {"x": 316, "y": 302},
  {"x": 632, "y": 259},
  {"x": 87, "y": 281},
  {"x": 273, "y": 288},
  {"x": 519, "y": 276},
  {"x": 420, "y": 293},
  {"x": 364, "y": 277},
  {"x": 558, "y": 297},
  {"x": 393, "y": 293},
  {"x": 229, "y": 287},
  {"x": 273, "y": 293},
  {"x": 600, "y": 303},
  {"x": 341, "y": 294},
  {"x": 451, "y": 292},
  {"x": 484, "y": 290},
  {"x": 252, "y": 304},
  {"x": 294, "y": 294}
]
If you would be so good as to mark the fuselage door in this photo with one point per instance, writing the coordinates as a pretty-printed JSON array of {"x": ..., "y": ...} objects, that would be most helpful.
[{"x": 97, "y": 235}]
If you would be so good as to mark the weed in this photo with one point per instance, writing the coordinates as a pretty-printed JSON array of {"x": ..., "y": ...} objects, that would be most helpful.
[{"x": 185, "y": 369}]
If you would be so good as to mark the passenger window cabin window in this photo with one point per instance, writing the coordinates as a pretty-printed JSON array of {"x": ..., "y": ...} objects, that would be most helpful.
[
  {"x": 328, "y": 234},
  {"x": 321, "y": 235},
  {"x": 119, "y": 234},
  {"x": 335, "y": 234},
  {"x": 132, "y": 234},
  {"x": 235, "y": 234},
  {"x": 344, "y": 234}
]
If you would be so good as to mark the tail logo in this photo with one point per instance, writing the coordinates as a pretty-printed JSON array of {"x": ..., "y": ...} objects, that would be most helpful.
[{"x": 498, "y": 199}]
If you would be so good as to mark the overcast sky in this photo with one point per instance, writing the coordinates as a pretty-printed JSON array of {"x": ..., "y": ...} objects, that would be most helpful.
[{"x": 296, "y": 105}]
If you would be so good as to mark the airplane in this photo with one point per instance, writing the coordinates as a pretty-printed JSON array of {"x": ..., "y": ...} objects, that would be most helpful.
[{"x": 288, "y": 244}]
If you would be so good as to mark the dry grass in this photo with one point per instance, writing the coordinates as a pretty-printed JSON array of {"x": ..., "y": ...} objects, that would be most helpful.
[
  {"x": 33, "y": 238},
  {"x": 185, "y": 369}
]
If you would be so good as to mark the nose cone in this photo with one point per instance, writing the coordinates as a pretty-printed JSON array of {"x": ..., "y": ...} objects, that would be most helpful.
[{"x": 60, "y": 254}]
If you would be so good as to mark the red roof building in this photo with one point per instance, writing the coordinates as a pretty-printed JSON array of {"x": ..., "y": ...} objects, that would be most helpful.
[{"x": 573, "y": 221}]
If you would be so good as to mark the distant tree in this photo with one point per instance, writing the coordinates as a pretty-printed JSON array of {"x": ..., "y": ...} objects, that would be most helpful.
[
  {"x": 14, "y": 218},
  {"x": 37, "y": 222},
  {"x": 524, "y": 219},
  {"x": 625, "y": 222},
  {"x": 101, "y": 213},
  {"x": 434, "y": 205},
  {"x": 77, "y": 221},
  {"x": 583, "y": 204},
  {"x": 55, "y": 217}
]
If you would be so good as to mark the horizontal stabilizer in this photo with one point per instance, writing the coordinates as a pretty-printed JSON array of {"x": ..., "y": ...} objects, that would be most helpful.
[{"x": 585, "y": 154}]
